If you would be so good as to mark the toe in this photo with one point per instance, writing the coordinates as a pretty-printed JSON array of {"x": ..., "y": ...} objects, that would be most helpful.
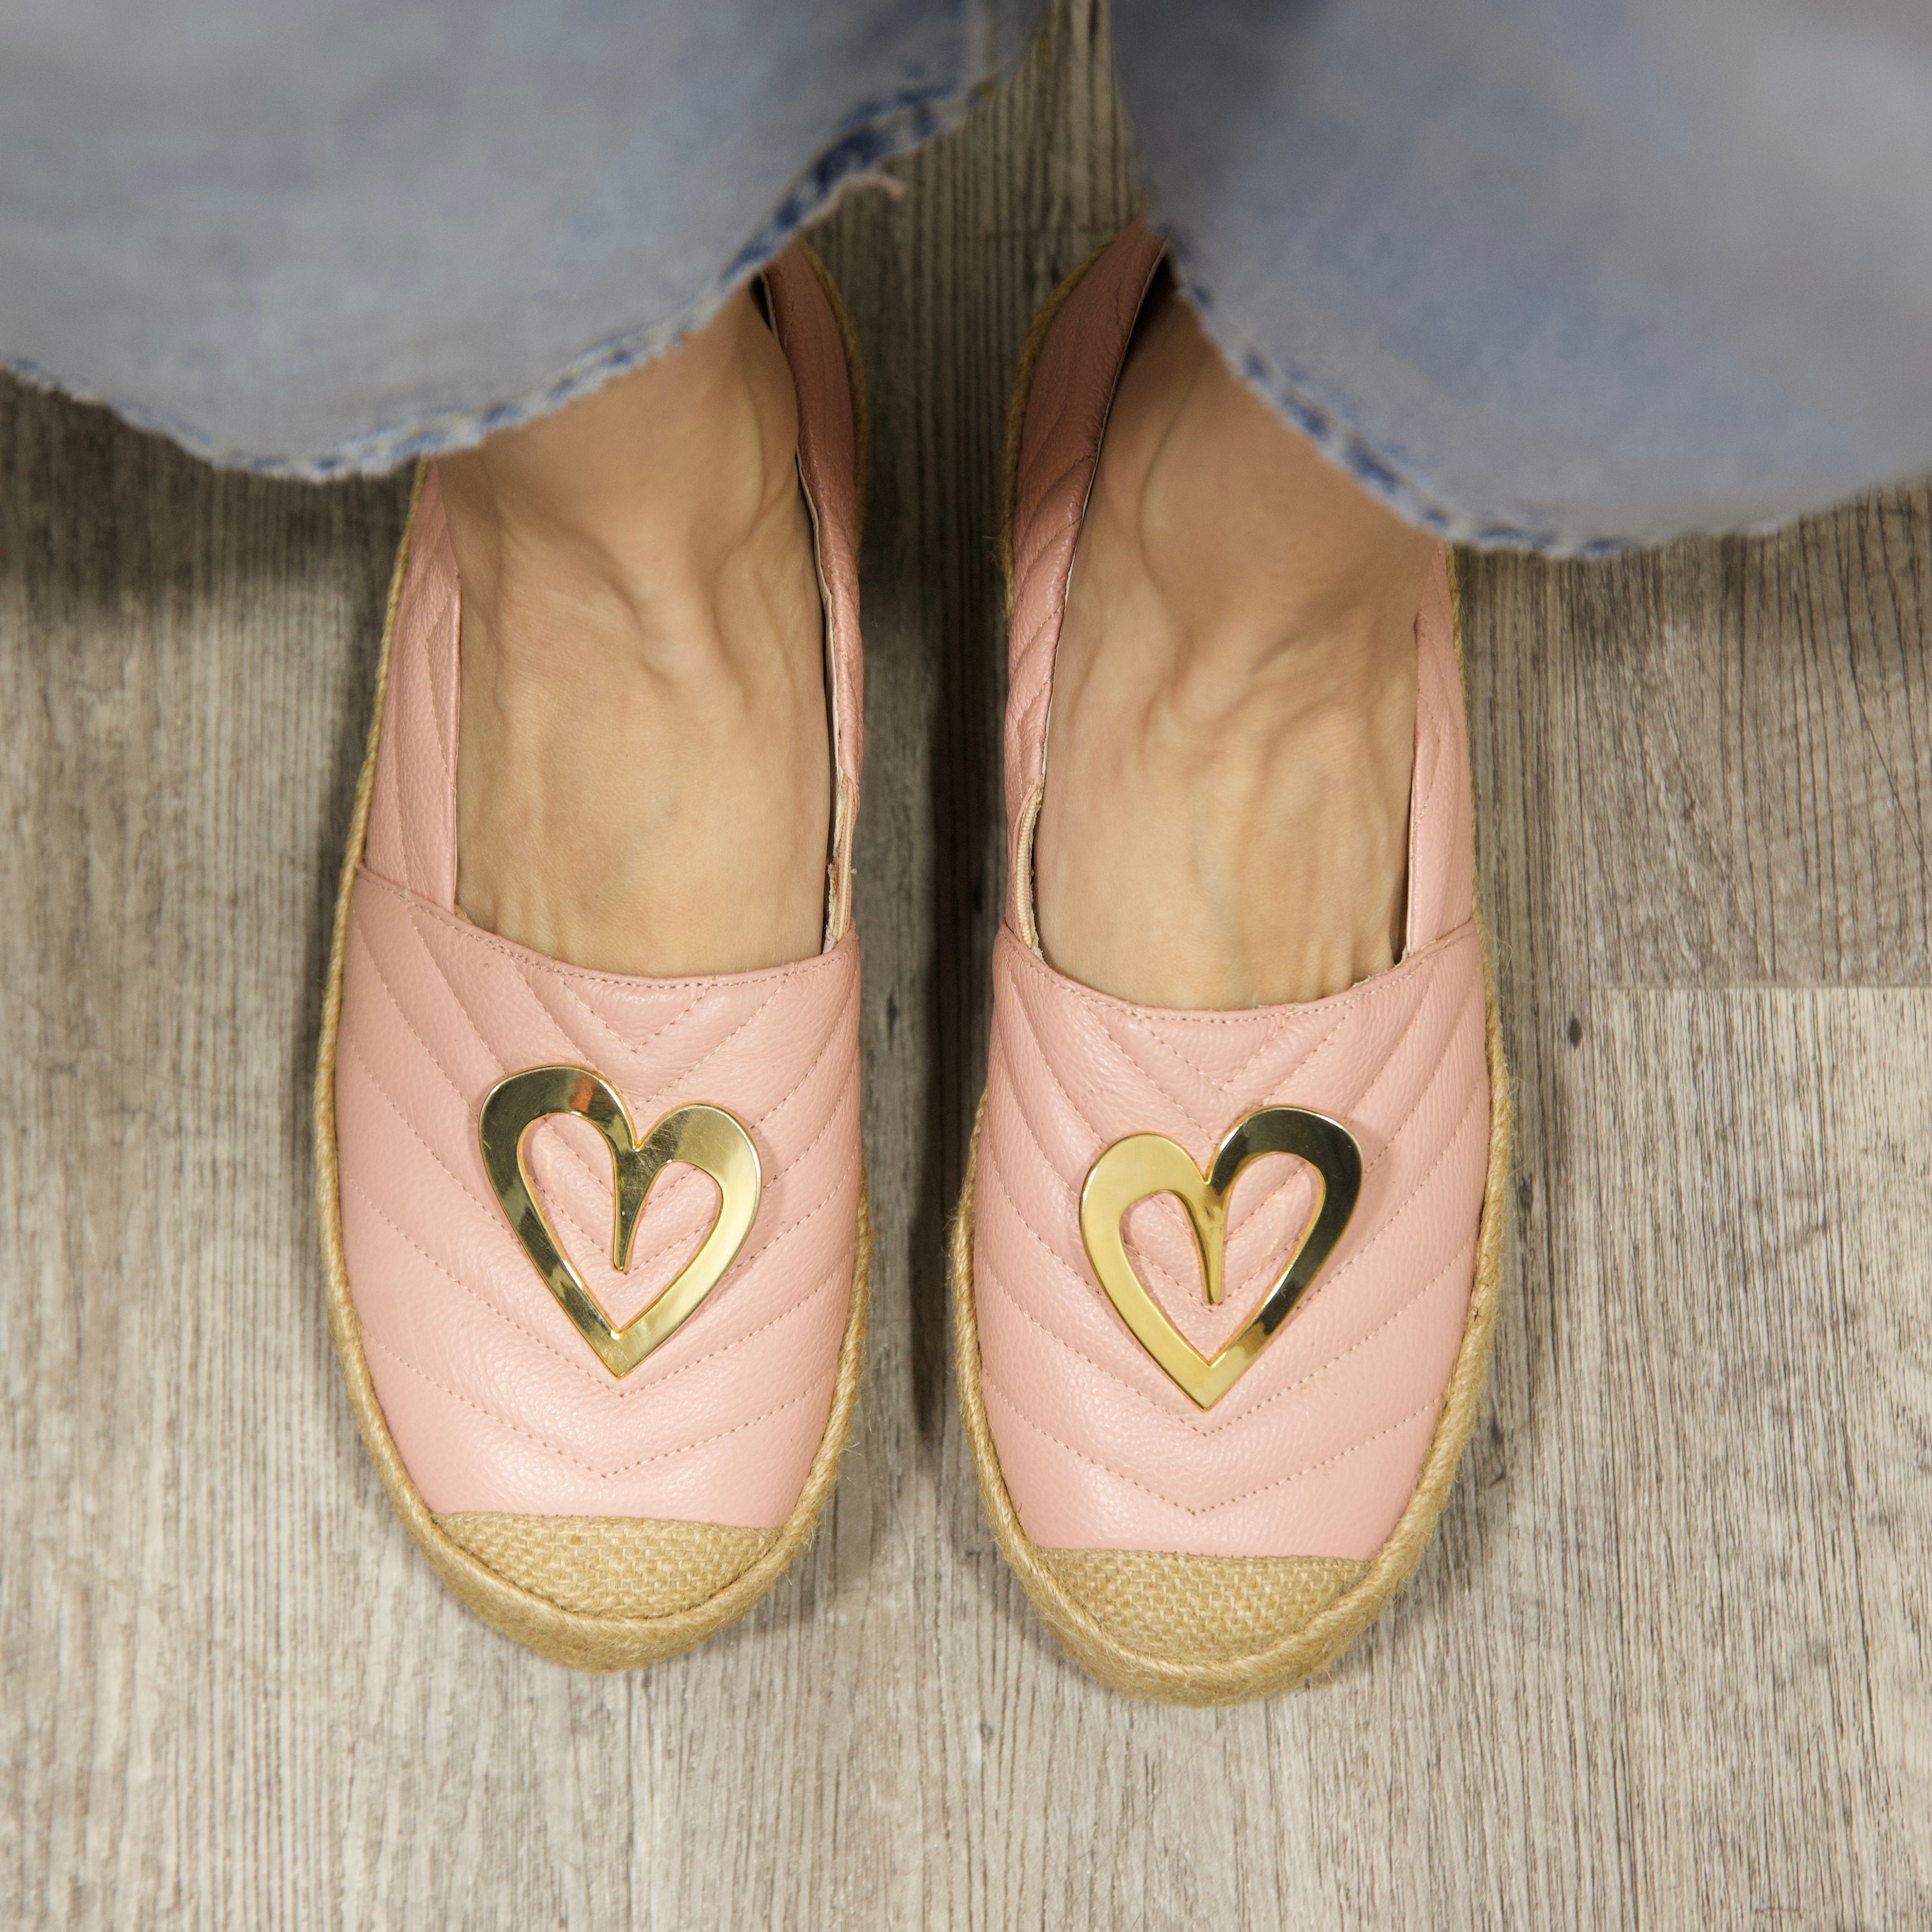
[
  {"x": 1199, "y": 1609},
  {"x": 610, "y": 1566}
]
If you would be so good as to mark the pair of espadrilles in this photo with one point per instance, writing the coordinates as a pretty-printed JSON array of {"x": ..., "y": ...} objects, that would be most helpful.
[{"x": 597, "y": 1245}]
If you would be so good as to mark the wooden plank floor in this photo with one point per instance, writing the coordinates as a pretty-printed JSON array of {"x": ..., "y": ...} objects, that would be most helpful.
[{"x": 1669, "y": 1664}]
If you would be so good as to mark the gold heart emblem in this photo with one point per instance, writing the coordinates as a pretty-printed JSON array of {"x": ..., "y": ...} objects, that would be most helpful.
[
  {"x": 1144, "y": 1164},
  {"x": 705, "y": 1138}
]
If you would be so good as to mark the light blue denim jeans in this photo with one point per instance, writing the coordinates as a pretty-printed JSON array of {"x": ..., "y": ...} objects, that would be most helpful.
[{"x": 1557, "y": 273}]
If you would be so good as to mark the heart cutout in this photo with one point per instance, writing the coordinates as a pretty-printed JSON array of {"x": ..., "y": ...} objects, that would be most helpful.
[
  {"x": 704, "y": 1137},
  {"x": 1142, "y": 1165}
]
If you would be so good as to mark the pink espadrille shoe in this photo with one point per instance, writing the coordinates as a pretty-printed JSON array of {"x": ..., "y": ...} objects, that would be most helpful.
[
  {"x": 597, "y": 1245},
  {"x": 1214, "y": 1425}
]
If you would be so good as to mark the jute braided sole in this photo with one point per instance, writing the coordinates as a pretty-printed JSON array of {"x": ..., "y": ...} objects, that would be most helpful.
[
  {"x": 590, "y": 1636},
  {"x": 1351, "y": 1596}
]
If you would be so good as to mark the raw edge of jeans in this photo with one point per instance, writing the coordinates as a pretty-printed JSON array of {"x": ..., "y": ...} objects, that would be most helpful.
[
  {"x": 1296, "y": 395},
  {"x": 1386, "y": 471},
  {"x": 880, "y": 132}
]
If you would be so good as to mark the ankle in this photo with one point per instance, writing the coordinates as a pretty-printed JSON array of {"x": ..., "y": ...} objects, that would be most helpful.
[
  {"x": 1234, "y": 835},
  {"x": 1232, "y": 732},
  {"x": 1208, "y": 684},
  {"x": 638, "y": 518},
  {"x": 745, "y": 630},
  {"x": 643, "y": 702}
]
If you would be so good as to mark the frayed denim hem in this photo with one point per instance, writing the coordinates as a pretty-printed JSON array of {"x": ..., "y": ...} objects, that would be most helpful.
[
  {"x": 879, "y": 130},
  {"x": 1299, "y": 396}
]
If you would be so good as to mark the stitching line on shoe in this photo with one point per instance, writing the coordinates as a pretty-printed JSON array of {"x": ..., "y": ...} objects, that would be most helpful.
[
  {"x": 1209, "y": 1509},
  {"x": 429, "y": 1053},
  {"x": 1161, "y": 1408},
  {"x": 786, "y": 1229},
  {"x": 1400, "y": 1128},
  {"x": 1429, "y": 1408},
  {"x": 557, "y": 1450},
  {"x": 631, "y": 985},
  {"x": 1379, "y": 988},
  {"x": 576, "y": 1368},
  {"x": 563, "y": 1209},
  {"x": 574, "y": 1044},
  {"x": 606, "y": 1386}
]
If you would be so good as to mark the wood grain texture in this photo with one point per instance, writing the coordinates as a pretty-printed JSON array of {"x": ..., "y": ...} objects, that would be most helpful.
[
  {"x": 1666, "y": 1665},
  {"x": 1759, "y": 794}
]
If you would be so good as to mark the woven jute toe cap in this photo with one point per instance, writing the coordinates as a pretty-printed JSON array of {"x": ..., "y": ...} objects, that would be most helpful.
[
  {"x": 606, "y": 1566},
  {"x": 1199, "y": 1609}
]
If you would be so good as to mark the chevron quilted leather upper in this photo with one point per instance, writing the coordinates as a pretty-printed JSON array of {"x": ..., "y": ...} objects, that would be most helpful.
[
  {"x": 1314, "y": 1452},
  {"x": 495, "y": 1402}
]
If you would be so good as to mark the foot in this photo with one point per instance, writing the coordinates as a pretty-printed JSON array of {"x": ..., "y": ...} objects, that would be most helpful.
[
  {"x": 1232, "y": 734},
  {"x": 644, "y": 773}
]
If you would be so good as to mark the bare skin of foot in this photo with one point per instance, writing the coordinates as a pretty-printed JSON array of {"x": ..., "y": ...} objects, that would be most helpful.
[
  {"x": 644, "y": 773},
  {"x": 1232, "y": 734}
]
